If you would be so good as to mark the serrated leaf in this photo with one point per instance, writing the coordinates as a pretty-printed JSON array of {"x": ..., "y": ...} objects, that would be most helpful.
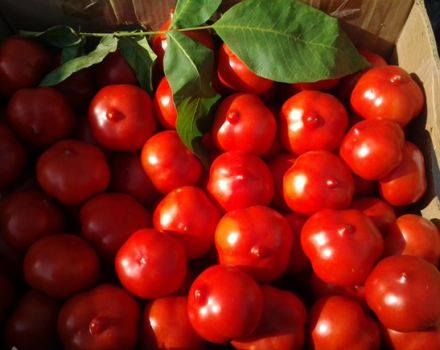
[
  {"x": 288, "y": 41},
  {"x": 70, "y": 52},
  {"x": 191, "y": 13},
  {"x": 107, "y": 44},
  {"x": 140, "y": 57},
  {"x": 58, "y": 36}
]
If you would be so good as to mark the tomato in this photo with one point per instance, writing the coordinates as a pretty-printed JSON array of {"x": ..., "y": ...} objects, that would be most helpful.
[
  {"x": 321, "y": 85},
  {"x": 166, "y": 326},
  {"x": 338, "y": 322},
  {"x": 23, "y": 64},
  {"x": 224, "y": 303},
  {"x": 32, "y": 324},
  {"x": 151, "y": 264},
  {"x": 169, "y": 163},
  {"x": 318, "y": 180},
  {"x": 298, "y": 261},
  {"x": 239, "y": 180},
  {"x": 427, "y": 339},
  {"x": 243, "y": 123},
  {"x": 61, "y": 265},
  {"x": 374, "y": 59},
  {"x": 104, "y": 318},
  {"x": 7, "y": 295},
  {"x": 312, "y": 120},
  {"x": 40, "y": 116},
  {"x": 320, "y": 289},
  {"x": 403, "y": 293},
  {"x": 342, "y": 245},
  {"x": 164, "y": 106},
  {"x": 282, "y": 325},
  {"x": 72, "y": 171},
  {"x": 364, "y": 187},
  {"x": 406, "y": 183},
  {"x": 13, "y": 158},
  {"x": 187, "y": 214},
  {"x": 122, "y": 117},
  {"x": 113, "y": 70},
  {"x": 278, "y": 166},
  {"x": 387, "y": 92},
  {"x": 28, "y": 215}
]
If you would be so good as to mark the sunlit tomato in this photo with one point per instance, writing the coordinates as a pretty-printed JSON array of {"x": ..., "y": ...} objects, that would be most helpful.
[
  {"x": 318, "y": 180},
  {"x": 169, "y": 163},
  {"x": 387, "y": 92},
  {"x": 239, "y": 180},
  {"x": 312, "y": 120},
  {"x": 298, "y": 261},
  {"x": 426, "y": 339},
  {"x": 72, "y": 171},
  {"x": 7, "y": 295},
  {"x": 407, "y": 183},
  {"x": 320, "y": 288},
  {"x": 12, "y": 158},
  {"x": 164, "y": 106},
  {"x": 403, "y": 293},
  {"x": 338, "y": 322},
  {"x": 342, "y": 245},
  {"x": 224, "y": 303},
  {"x": 114, "y": 69},
  {"x": 105, "y": 318},
  {"x": 321, "y": 85},
  {"x": 151, "y": 264},
  {"x": 122, "y": 117},
  {"x": 278, "y": 166},
  {"x": 61, "y": 265}
]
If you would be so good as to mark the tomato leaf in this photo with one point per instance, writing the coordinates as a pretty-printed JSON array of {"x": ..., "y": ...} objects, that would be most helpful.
[
  {"x": 140, "y": 57},
  {"x": 71, "y": 52},
  {"x": 287, "y": 41},
  {"x": 191, "y": 13},
  {"x": 58, "y": 36}
]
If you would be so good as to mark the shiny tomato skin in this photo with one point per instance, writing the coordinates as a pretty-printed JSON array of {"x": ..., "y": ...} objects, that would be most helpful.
[
  {"x": 104, "y": 318},
  {"x": 321, "y": 85},
  {"x": 114, "y": 70},
  {"x": 342, "y": 245},
  {"x": 164, "y": 106},
  {"x": 278, "y": 165},
  {"x": 224, "y": 303},
  {"x": 13, "y": 158},
  {"x": 61, "y": 265},
  {"x": 403, "y": 293},
  {"x": 318, "y": 180},
  {"x": 426, "y": 339},
  {"x": 122, "y": 117}
]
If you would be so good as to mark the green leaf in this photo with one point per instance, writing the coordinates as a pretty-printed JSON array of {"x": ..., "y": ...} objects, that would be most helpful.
[
  {"x": 71, "y": 52},
  {"x": 140, "y": 57},
  {"x": 107, "y": 44},
  {"x": 191, "y": 13},
  {"x": 287, "y": 41},
  {"x": 58, "y": 36}
]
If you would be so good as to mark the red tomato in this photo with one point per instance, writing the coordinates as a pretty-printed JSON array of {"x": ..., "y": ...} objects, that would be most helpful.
[
  {"x": 72, "y": 171},
  {"x": 320, "y": 288},
  {"x": 114, "y": 70},
  {"x": 61, "y": 265},
  {"x": 374, "y": 59},
  {"x": 13, "y": 158},
  {"x": 224, "y": 303},
  {"x": 122, "y": 117},
  {"x": 364, "y": 187},
  {"x": 151, "y": 264},
  {"x": 427, "y": 339},
  {"x": 278, "y": 166},
  {"x": 403, "y": 293},
  {"x": 105, "y": 318},
  {"x": 321, "y": 85},
  {"x": 164, "y": 106},
  {"x": 342, "y": 245},
  {"x": 298, "y": 261},
  {"x": 7, "y": 295}
]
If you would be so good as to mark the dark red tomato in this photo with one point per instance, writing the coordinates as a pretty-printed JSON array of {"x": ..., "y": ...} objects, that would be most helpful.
[
  {"x": 28, "y": 215},
  {"x": 40, "y": 116},
  {"x": 318, "y": 180},
  {"x": 32, "y": 325},
  {"x": 7, "y": 295},
  {"x": 257, "y": 239},
  {"x": 321, "y": 85},
  {"x": 243, "y": 123},
  {"x": 22, "y": 64},
  {"x": 169, "y": 163},
  {"x": 282, "y": 325},
  {"x": 407, "y": 183},
  {"x": 403, "y": 293},
  {"x": 364, "y": 187},
  {"x": 413, "y": 235},
  {"x": 114, "y": 69},
  {"x": 224, "y": 303},
  {"x": 320, "y": 289},
  {"x": 151, "y": 264},
  {"x": 338, "y": 322},
  {"x": 427, "y": 339},
  {"x": 373, "y": 148},
  {"x": 239, "y": 180},
  {"x": 387, "y": 92},
  {"x": 61, "y": 265},
  {"x": 187, "y": 214},
  {"x": 72, "y": 171},
  {"x": 105, "y": 318},
  {"x": 298, "y": 261},
  {"x": 11, "y": 266},
  {"x": 122, "y": 117},
  {"x": 164, "y": 106},
  {"x": 13, "y": 158},
  {"x": 312, "y": 120},
  {"x": 108, "y": 219},
  {"x": 278, "y": 166},
  {"x": 166, "y": 326},
  {"x": 342, "y": 245}
]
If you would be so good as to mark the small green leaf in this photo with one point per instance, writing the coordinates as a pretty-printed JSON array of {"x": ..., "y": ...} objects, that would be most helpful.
[
  {"x": 58, "y": 36},
  {"x": 107, "y": 44},
  {"x": 191, "y": 13},
  {"x": 288, "y": 41},
  {"x": 71, "y": 52},
  {"x": 140, "y": 57}
]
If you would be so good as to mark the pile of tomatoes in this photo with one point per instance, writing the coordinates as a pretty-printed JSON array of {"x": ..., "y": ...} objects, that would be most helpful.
[{"x": 113, "y": 235}]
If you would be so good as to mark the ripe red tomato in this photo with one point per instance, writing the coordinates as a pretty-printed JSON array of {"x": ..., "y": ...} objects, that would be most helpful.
[
  {"x": 114, "y": 70},
  {"x": 321, "y": 85},
  {"x": 298, "y": 261},
  {"x": 278, "y": 166},
  {"x": 164, "y": 106},
  {"x": 320, "y": 289},
  {"x": 426, "y": 339},
  {"x": 13, "y": 158},
  {"x": 104, "y": 318},
  {"x": 122, "y": 117}
]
